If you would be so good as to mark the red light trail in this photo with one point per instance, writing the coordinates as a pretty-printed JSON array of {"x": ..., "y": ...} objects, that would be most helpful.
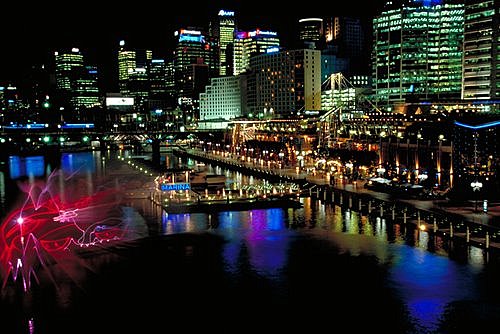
[{"x": 47, "y": 228}]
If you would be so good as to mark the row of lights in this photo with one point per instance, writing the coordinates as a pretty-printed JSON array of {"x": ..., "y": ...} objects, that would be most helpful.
[{"x": 45, "y": 139}]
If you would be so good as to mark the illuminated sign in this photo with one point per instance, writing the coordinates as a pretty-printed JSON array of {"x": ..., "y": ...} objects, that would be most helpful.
[
  {"x": 119, "y": 101},
  {"x": 122, "y": 42},
  {"x": 190, "y": 32},
  {"x": 311, "y": 112},
  {"x": 157, "y": 61},
  {"x": 75, "y": 50},
  {"x": 190, "y": 38},
  {"x": 273, "y": 50},
  {"x": 241, "y": 35},
  {"x": 262, "y": 33},
  {"x": 175, "y": 186},
  {"x": 223, "y": 12}
]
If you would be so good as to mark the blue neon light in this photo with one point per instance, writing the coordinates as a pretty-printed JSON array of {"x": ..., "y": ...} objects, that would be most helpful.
[
  {"x": 25, "y": 126},
  {"x": 175, "y": 186},
  {"x": 478, "y": 127},
  {"x": 191, "y": 38},
  {"x": 78, "y": 126}
]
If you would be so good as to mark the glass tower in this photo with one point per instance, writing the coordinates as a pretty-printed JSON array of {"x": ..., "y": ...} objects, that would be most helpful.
[
  {"x": 418, "y": 52},
  {"x": 481, "y": 67}
]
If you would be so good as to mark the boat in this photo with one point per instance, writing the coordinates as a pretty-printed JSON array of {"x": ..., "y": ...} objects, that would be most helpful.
[{"x": 203, "y": 180}]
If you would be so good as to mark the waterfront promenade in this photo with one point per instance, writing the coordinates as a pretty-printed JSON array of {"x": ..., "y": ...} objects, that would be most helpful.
[{"x": 319, "y": 186}]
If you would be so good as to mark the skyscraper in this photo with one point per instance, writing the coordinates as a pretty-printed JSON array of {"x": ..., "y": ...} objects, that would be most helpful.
[
  {"x": 191, "y": 48},
  {"x": 417, "y": 52},
  {"x": 310, "y": 32},
  {"x": 85, "y": 88},
  {"x": 225, "y": 36},
  {"x": 76, "y": 83},
  {"x": 251, "y": 43},
  {"x": 132, "y": 70},
  {"x": 68, "y": 64},
  {"x": 481, "y": 66}
]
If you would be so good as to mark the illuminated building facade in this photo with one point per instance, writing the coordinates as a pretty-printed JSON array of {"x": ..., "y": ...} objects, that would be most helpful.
[
  {"x": 225, "y": 36},
  {"x": 192, "y": 48},
  {"x": 158, "y": 77},
  {"x": 310, "y": 31},
  {"x": 280, "y": 84},
  {"x": 252, "y": 43},
  {"x": 86, "y": 90},
  {"x": 481, "y": 66},
  {"x": 76, "y": 83},
  {"x": 68, "y": 64},
  {"x": 418, "y": 52},
  {"x": 223, "y": 99},
  {"x": 133, "y": 71}
]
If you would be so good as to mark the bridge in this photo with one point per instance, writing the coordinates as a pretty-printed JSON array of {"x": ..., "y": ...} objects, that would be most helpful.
[{"x": 28, "y": 138}]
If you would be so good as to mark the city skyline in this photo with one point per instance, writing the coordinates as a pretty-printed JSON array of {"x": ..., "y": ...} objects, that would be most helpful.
[{"x": 97, "y": 33}]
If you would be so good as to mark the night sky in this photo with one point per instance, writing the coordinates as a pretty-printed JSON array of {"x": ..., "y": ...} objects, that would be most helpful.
[{"x": 31, "y": 32}]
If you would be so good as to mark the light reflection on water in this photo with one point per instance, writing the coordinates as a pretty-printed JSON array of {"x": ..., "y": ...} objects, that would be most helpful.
[
  {"x": 267, "y": 243},
  {"x": 425, "y": 282}
]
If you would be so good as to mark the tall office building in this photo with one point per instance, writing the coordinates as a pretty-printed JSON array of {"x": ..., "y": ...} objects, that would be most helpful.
[
  {"x": 68, "y": 64},
  {"x": 76, "y": 83},
  {"x": 86, "y": 90},
  {"x": 252, "y": 43},
  {"x": 158, "y": 77},
  {"x": 132, "y": 70},
  {"x": 418, "y": 52},
  {"x": 192, "y": 48},
  {"x": 283, "y": 83},
  {"x": 224, "y": 33},
  {"x": 481, "y": 62},
  {"x": 310, "y": 32}
]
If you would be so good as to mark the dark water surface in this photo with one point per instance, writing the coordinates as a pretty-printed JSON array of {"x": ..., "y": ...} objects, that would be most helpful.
[{"x": 315, "y": 270}]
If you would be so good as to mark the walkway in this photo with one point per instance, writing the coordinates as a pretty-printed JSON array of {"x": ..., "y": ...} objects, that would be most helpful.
[{"x": 466, "y": 212}]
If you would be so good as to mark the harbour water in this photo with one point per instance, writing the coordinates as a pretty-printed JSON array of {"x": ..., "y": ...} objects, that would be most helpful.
[{"x": 314, "y": 269}]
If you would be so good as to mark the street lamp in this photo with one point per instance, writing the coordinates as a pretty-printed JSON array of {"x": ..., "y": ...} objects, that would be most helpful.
[{"x": 476, "y": 186}]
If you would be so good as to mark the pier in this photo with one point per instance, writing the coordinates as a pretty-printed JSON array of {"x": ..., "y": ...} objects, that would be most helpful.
[{"x": 453, "y": 223}]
